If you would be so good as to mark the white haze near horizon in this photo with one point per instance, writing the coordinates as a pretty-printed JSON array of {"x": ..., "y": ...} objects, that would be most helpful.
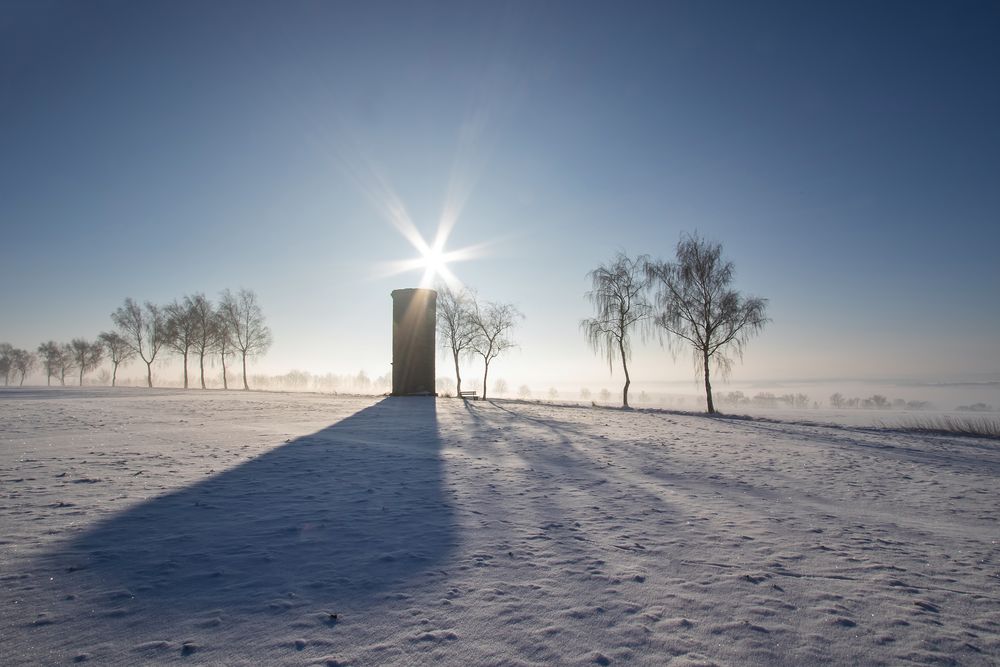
[{"x": 689, "y": 393}]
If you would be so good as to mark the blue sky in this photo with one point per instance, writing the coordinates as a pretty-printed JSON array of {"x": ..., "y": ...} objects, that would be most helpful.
[{"x": 847, "y": 156}]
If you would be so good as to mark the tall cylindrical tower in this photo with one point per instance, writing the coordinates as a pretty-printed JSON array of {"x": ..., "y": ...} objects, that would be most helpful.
[{"x": 414, "y": 320}]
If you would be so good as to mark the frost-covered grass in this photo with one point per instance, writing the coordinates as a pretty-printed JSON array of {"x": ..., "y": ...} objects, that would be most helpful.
[
  {"x": 159, "y": 527},
  {"x": 975, "y": 426}
]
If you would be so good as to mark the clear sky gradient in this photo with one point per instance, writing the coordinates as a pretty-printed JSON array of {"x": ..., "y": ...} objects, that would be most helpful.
[{"x": 846, "y": 154}]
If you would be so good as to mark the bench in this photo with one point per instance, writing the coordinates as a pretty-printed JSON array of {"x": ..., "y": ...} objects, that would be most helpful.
[{"x": 469, "y": 395}]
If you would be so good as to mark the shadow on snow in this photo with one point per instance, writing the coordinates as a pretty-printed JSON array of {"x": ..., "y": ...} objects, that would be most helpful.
[{"x": 334, "y": 517}]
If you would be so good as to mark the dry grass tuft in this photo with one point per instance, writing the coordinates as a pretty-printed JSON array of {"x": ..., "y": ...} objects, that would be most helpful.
[{"x": 979, "y": 427}]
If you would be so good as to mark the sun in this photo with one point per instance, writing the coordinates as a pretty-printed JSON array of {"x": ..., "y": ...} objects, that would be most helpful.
[{"x": 435, "y": 261}]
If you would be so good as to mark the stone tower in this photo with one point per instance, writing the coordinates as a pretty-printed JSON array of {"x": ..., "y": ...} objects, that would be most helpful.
[{"x": 414, "y": 323}]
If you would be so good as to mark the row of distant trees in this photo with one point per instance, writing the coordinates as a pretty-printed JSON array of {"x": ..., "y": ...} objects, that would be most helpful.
[
  {"x": 875, "y": 402},
  {"x": 188, "y": 327},
  {"x": 689, "y": 302},
  {"x": 470, "y": 328},
  {"x": 766, "y": 399}
]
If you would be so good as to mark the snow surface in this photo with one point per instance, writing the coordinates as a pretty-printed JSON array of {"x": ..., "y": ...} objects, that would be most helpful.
[{"x": 164, "y": 526}]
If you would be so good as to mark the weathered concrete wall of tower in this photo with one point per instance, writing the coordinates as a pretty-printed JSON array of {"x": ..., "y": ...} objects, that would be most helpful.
[{"x": 414, "y": 313}]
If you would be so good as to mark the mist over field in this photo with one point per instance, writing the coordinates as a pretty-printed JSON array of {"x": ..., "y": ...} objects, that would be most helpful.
[{"x": 683, "y": 395}]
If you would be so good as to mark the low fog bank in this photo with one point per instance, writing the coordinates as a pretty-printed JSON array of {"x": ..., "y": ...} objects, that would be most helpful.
[{"x": 851, "y": 397}]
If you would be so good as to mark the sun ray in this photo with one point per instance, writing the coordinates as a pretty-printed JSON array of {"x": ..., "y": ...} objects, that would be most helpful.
[{"x": 370, "y": 180}]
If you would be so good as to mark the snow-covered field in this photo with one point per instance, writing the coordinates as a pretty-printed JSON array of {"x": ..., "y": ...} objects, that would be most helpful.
[{"x": 160, "y": 526}]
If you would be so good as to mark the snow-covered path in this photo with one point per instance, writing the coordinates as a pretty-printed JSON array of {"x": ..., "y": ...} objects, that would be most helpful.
[{"x": 228, "y": 528}]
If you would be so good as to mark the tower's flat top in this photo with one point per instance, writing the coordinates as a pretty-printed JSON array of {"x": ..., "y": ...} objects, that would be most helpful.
[{"x": 410, "y": 290}]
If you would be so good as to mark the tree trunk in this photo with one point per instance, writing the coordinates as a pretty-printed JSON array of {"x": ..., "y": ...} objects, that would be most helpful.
[
  {"x": 201, "y": 367},
  {"x": 708, "y": 386},
  {"x": 149, "y": 374},
  {"x": 22, "y": 381},
  {"x": 225, "y": 382},
  {"x": 81, "y": 376},
  {"x": 458, "y": 376},
  {"x": 114, "y": 374},
  {"x": 185, "y": 369},
  {"x": 246, "y": 387},
  {"x": 628, "y": 381},
  {"x": 486, "y": 371}
]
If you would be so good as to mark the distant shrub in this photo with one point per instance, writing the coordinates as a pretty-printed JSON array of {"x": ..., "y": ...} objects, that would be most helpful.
[{"x": 975, "y": 407}]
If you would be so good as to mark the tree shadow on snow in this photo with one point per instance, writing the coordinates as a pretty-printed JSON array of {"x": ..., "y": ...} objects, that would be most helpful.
[{"x": 332, "y": 518}]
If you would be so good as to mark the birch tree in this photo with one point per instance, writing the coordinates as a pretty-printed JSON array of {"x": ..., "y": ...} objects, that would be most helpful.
[
  {"x": 455, "y": 326},
  {"x": 222, "y": 342},
  {"x": 6, "y": 361},
  {"x": 86, "y": 355},
  {"x": 23, "y": 362},
  {"x": 50, "y": 354},
  {"x": 118, "y": 349},
  {"x": 182, "y": 331},
  {"x": 144, "y": 328},
  {"x": 247, "y": 328},
  {"x": 620, "y": 308},
  {"x": 206, "y": 329},
  {"x": 65, "y": 362},
  {"x": 696, "y": 304},
  {"x": 493, "y": 323}
]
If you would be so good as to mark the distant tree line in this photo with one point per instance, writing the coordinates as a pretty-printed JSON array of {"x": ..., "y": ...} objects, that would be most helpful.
[
  {"x": 298, "y": 380},
  {"x": 876, "y": 402},
  {"x": 689, "y": 302},
  {"x": 975, "y": 407},
  {"x": 766, "y": 399},
  {"x": 235, "y": 327}
]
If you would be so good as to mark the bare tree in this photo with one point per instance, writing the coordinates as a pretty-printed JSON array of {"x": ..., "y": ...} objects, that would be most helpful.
[
  {"x": 144, "y": 328},
  {"x": 222, "y": 341},
  {"x": 6, "y": 361},
  {"x": 23, "y": 363},
  {"x": 51, "y": 356},
  {"x": 182, "y": 330},
  {"x": 86, "y": 355},
  {"x": 118, "y": 349},
  {"x": 206, "y": 330},
  {"x": 244, "y": 321},
  {"x": 696, "y": 303},
  {"x": 455, "y": 326},
  {"x": 620, "y": 306},
  {"x": 493, "y": 323},
  {"x": 66, "y": 363}
]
